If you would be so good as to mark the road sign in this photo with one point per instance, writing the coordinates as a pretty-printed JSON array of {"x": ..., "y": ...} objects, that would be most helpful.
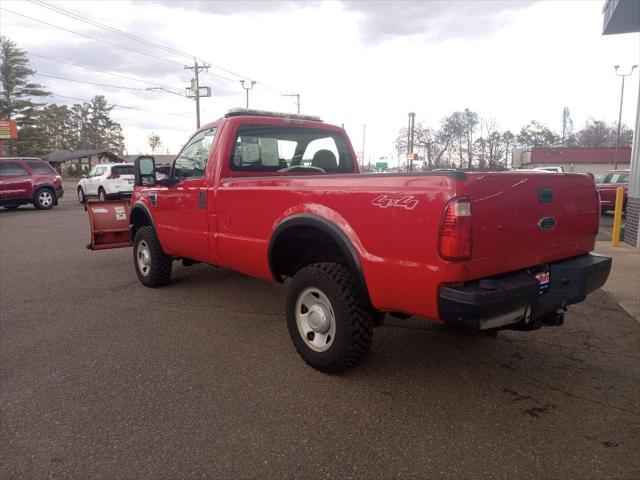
[
  {"x": 411, "y": 156},
  {"x": 8, "y": 129},
  {"x": 382, "y": 165}
]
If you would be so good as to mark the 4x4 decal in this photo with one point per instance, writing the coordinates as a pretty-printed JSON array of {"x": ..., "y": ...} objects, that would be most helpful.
[{"x": 407, "y": 201}]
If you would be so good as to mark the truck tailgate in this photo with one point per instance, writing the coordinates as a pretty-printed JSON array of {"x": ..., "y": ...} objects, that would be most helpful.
[{"x": 525, "y": 219}]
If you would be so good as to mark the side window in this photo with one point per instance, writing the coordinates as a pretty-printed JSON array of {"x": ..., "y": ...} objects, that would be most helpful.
[
  {"x": 192, "y": 160},
  {"x": 607, "y": 179},
  {"x": 41, "y": 167},
  {"x": 11, "y": 169},
  {"x": 99, "y": 171},
  {"x": 624, "y": 178}
]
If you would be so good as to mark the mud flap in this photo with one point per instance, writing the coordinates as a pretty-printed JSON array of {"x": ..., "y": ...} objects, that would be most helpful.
[{"x": 109, "y": 222}]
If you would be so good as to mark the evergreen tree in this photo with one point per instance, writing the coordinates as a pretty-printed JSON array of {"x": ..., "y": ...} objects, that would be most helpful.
[{"x": 17, "y": 94}]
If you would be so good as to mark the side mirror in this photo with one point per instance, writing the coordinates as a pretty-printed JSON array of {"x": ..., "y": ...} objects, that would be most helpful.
[
  {"x": 83, "y": 176},
  {"x": 144, "y": 168}
]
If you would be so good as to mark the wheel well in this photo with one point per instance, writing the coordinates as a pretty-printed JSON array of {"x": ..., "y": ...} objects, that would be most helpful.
[
  {"x": 299, "y": 246},
  {"x": 139, "y": 218}
]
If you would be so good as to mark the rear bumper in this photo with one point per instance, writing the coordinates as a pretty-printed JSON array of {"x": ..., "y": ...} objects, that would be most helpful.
[
  {"x": 514, "y": 300},
  {"x": 118, "y": 195}
]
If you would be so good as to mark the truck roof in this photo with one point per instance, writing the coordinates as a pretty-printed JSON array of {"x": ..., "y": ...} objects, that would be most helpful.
[{"x": 241, "y": 112}]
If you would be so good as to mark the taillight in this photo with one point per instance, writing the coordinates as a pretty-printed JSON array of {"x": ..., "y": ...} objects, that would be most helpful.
[
  {"x": 455, "y": 230},
  {"x": 113, "y": 176}
]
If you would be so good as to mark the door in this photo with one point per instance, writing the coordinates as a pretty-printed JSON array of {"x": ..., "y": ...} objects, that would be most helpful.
[
  {"x": 181, "y": 209},
  {"x": 15, "y": 180},
  {"x": 92, "y": 181}
]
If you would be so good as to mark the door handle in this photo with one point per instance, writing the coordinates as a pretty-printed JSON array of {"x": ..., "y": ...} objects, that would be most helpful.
[{"x": 202, "y": 199}]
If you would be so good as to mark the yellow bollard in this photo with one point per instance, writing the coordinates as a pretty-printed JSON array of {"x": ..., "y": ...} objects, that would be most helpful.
[{"x": 617, "y": 217}]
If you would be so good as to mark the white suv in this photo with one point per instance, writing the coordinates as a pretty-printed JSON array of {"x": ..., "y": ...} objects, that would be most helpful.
[{"x": 106, "y": 180}]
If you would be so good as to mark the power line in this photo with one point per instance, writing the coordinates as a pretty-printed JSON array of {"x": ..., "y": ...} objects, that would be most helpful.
[
  {"x": 151, "y": 43},
  {"x": 126, "y": 107},
  {"x": 131, "y": 36},
  {"x": 67, "y": 62},
  {"x": 121, "y": 87},
  {"x": 91, "y": 38}
]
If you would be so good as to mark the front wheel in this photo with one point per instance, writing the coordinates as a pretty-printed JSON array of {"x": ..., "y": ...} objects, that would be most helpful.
[
  {"x": 102, "y": 195},
  {"x": 152, "y": 265},
  {"x": 44, "y": 199},
  {"x": 80, "y": 195},
  {"x": 328, "y": 321}
]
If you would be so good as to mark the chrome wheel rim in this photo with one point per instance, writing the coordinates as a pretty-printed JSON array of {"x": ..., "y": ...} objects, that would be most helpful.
[
  {"x": 315, "y": 319},
  {"x": 143, "y": 257},
  {"x": 45, "y": 198}
]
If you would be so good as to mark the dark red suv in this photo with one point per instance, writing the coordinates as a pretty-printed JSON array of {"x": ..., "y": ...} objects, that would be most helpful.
[{"x": 29, "y": 180}]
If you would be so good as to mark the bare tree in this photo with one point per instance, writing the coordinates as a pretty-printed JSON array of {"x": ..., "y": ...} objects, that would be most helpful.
[{"x": 154, "y": 142}]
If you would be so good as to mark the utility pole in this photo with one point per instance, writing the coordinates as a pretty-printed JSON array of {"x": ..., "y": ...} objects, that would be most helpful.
[
  {"x": 410, "y": 140},
  {"x": 297, "y": 95},
  {"x": 623, "y": 75},
  {"x": 195, "y": 86},
  {"x": 252, "y": 82},
  {"x": 364, "y": 133}
]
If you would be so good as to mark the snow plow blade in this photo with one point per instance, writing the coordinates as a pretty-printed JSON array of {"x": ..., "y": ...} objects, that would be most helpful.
[{"x": 109, "y": 222}]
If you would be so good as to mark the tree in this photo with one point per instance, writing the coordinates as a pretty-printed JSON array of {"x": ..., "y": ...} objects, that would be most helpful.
[
  {"x": 599, "y": 133},
  {"x": 17, "y": 92},
  {"x": 154, "y": 142},
  {"x": 536, "y": 134}
]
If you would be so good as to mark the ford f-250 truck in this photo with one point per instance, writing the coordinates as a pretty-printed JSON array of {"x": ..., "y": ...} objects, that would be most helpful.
[{"x": 280, "y": 197}]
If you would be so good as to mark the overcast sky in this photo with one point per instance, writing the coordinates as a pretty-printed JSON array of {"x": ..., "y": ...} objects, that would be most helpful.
[{"x": 354, "y": 63}]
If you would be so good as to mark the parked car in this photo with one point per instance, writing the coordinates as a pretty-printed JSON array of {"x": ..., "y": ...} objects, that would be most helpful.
[
  {"x": 29, "y": 180},
  {"x": 105, "y": 181},
  {"x": 281, "y": 197},
  {"x": 608, "y": 185}
]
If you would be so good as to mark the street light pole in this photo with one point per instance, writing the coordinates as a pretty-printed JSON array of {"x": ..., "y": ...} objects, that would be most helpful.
[
  {"x": 247, "y": 89},
  {"x": 623, "y": 75},
  {"x": 297, "y": 95}
]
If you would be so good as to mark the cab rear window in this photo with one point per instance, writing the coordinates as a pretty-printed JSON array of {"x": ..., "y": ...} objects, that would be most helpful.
[{"x": 267, "y": 148}]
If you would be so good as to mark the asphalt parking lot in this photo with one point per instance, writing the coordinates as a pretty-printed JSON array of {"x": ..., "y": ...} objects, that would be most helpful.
[{"x": 103, "y": 378}]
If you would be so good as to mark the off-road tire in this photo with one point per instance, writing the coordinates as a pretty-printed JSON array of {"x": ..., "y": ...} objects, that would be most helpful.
[
  {"x": 37, "y": 201},
  {"x": 354, "y": 322},
  {"x": 160, "y": 265}
]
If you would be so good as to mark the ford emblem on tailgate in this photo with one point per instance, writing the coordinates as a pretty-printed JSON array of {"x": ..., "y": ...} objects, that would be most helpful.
[{"x": 546, "y": 223}]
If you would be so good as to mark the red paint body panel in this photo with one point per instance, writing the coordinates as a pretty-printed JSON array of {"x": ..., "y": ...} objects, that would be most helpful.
[{"x": 392, "y": 221}]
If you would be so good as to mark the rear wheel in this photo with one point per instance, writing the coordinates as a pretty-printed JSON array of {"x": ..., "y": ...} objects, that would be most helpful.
[
  {"x": 44, "y": 199},
  {"x": 102, "y": 195},
  {"x": 81, "y": 198},
  {"x": 152, "y": 265},
  {"x": 328, "y": 321}
]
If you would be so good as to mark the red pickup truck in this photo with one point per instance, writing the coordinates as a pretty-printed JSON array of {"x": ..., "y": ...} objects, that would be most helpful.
[{"x": 281, "y": 198}]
